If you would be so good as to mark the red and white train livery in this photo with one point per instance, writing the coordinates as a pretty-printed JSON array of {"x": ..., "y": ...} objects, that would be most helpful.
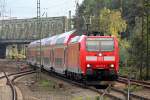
[{"x": 79, "y": 57}]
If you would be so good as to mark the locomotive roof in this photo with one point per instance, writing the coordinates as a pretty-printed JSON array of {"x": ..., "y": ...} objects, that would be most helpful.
[
  {"x": 59, "y": 39},
  {"x": 63, "y": 38},
  {"x": 33, "y": 44},
  {"x": 79, "y": 38},
  {"x": 43, "y": 41},
  {"x": 48, "y": 40},
  {"x": 56, "y": 39}
]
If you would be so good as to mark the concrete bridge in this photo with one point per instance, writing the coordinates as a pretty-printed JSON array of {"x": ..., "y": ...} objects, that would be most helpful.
[{"x": 24, "y": 31}]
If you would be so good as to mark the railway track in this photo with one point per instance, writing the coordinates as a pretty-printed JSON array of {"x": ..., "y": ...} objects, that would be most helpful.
[
  {"x": 10, "y": 81},
  {"x": 17, "y": 73},
  {"x": 134, "y": 82},
  {"x": 82, "y": 85},
  {"x": 110, "y": 92},
  {"x": 131, "y": 95}
]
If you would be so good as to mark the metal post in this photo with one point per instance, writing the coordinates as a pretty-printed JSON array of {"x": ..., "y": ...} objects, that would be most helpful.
[
  {"x": 69, "y": 20},
  {"x": 146, "y": 7},
  {"x": 142, "y": 35},
  {"x": 142, "y": 38},
  {"x": 87, "y": 23},
  {"x": 87, "y": 27},
  {"x": 129, "y": 86},
  {"x": 147, "y": 60},
  {"x": 39, "y": 34}
]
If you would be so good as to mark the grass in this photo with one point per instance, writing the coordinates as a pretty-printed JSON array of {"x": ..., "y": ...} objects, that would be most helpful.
[
  {"x": 44, "y": 83},
  {"x": 124, "y": 71},
  {"x": 87, "y": 98},
  {"x": 47, "y": 83},
  {"x": 133, "y": 88},
  {"x": 133, "y": 71}
]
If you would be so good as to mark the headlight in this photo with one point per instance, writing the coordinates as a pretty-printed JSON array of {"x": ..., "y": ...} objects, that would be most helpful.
[
  {"x": 88, "y": 65},
  {"x": 91, "y": 58},
  {"x": 109, "y": 58},
  {"x": 112, "y": 65},
  {"x": 100, "y": 54}
]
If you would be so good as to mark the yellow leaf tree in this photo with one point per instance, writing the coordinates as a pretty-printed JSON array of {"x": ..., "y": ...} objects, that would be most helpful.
[{"x": 111, "y": 22}]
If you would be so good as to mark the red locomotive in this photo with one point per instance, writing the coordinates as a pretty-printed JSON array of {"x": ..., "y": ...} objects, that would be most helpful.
[{"x": 78, "y": 57}]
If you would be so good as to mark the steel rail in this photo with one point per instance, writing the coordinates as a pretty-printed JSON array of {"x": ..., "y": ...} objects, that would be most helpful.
[
  {"x": 134, "y": 82},
  {"x": 132, "y": 95},
  {"x": 23, "y": 74},
  {"x": 14, "y": 93},
  {"x": 16, "y": 73},
  {"x": 10, "y": 82}
]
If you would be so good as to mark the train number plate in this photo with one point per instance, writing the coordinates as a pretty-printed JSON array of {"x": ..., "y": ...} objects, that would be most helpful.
[{"x": 100, "y": 58}]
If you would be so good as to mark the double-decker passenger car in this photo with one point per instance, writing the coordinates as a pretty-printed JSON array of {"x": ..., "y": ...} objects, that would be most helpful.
[{"x": 90, "y": 58}]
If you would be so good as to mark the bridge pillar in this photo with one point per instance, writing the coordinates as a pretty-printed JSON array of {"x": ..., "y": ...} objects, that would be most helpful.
[{"x": 2, "y": 51}]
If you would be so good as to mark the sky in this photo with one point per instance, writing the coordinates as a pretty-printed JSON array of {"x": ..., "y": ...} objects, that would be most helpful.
[{"x": 28, "y": 8}]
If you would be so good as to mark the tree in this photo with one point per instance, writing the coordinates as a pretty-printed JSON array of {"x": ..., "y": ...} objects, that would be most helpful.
[{"x": 111, "y": 22}]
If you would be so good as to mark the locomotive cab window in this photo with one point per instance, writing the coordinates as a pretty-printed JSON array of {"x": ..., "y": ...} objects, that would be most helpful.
[{"x": 100, "y": 44}]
